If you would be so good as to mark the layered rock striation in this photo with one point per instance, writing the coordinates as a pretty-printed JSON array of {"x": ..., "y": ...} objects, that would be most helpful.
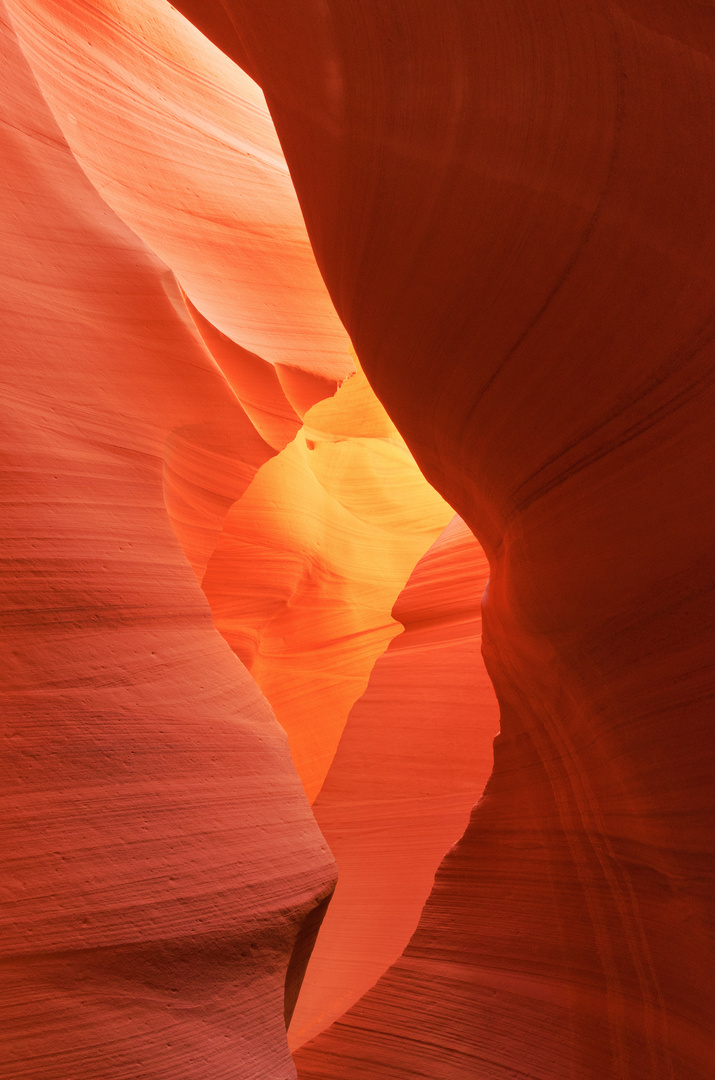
[
  {"x": 310, "y": 561},
  {"x": 509, "y": 205},
  {"x": 511, "y": 209},
  {"x": 160, "y": 861},
  {"x": 413, "y": 759}
]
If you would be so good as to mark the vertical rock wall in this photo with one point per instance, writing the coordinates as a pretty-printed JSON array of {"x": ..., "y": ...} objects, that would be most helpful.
[
  {"x": 512, "y": 208},
  {"x": 158, "y": 854},
  {"x": 413, "y": 759}
]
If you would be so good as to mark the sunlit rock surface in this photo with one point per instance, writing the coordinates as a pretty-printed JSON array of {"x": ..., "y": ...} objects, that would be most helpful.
[
  {"x": 179, "y": 142},
  {"x": 158, "y": 854},
  {"x": 411, "y": 763},
  {"x": 510, "y": 205},
  {"x": 311, "y": 560}
]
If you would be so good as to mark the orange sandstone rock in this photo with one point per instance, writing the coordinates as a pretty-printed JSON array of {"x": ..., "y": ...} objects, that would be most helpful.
[
  {"x": 255, "y": 383},
  {"x": 512, "y": 209},
  {"x": 310, "y": 561},
  {"x": 159, "y": 859},
  {"x": 179, "y": 142},
  {"x": 412, "y": 760}
]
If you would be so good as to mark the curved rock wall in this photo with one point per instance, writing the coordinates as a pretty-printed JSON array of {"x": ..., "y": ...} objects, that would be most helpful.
[
  {"x": 310, "y": 561},
  {"x": 159, "y": 855},
  {"x": 180, "y": 144},
  {"x": 414, "y": 757},
  {"x": 511, "y": 207}
]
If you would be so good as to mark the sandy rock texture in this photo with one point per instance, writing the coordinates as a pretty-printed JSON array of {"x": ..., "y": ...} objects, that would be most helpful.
[
  {"x": 159, "y": 858},
  {"x": 310, "y": 561},
  {"x": 413, "y": 759},
  {"x": 179, "y": 142},
  {"x": 512, "y": 209},
  {"x": 510, "y": 206}
]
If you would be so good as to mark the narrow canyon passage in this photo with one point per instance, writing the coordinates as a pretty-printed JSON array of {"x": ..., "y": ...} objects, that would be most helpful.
[
  {"x": 266, "y": 419},
  {"x": 301, "y": 513}
]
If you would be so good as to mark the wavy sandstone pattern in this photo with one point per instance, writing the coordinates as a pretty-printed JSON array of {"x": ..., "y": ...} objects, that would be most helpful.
[
  {"x": 510, "y": 208},
  {"x": 159, "y": 854},
  {"x": 179, "y": 142},
  {"x": 311, "y": 560},
  {"x": 175, "y": 920},
  {"x": 413, "y": 759}
]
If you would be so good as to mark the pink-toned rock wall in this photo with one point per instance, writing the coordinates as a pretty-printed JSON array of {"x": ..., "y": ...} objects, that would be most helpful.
[
  {"x": 511, "y": 205},
  {"x": 158, "y": 853},
  {"x": 511, "y": 208},
  {"x": 310, "y": 561},
  {"x": 413, "y": 759},
  {"x": 180, "y": 144}
]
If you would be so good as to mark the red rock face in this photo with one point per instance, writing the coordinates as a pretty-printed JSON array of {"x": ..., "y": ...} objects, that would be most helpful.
[
  {"x": 159, "y": 855},
  {"x": 510, "y": 209},
  {"x": 179, "y": 142},
  {"x": 510, "y": 206},
  {"x": 310, "y": 561},
  {"x": 413, "y": 759}
]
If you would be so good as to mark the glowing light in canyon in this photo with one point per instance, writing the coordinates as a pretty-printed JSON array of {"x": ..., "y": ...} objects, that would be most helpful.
[{"x": 246, "y": 648}]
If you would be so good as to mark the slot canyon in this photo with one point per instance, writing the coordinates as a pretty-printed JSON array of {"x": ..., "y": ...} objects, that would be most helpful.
[{"x": 358, "y": 540}]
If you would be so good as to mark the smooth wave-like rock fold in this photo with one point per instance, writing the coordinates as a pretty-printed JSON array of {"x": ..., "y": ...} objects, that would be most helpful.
[
  {"x": 510, "y": 207},
  {"x": 159, "y": 856},
  {"x": 412, "y": 761},
  {"x": 180, "y": 144},
  {"x": 310, "y": 561}
]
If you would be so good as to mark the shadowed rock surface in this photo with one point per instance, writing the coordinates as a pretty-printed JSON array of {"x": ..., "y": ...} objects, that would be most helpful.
[
  {"x": 512, "y": 210},
  {"x": 159, "y": 855},
  {"x": 510, "y": 205}
]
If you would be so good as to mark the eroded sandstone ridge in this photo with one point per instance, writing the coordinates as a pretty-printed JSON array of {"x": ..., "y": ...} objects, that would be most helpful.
[
  {"x": 511, "y": 207},
  {"x": 159, "y": 857},
  {"x": 414, "y": 756}
]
